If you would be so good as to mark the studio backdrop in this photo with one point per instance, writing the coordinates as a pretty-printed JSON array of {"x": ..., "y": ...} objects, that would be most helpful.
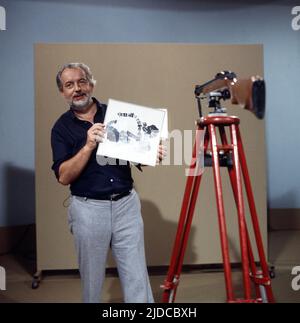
[{"x": 152, "y": 75}]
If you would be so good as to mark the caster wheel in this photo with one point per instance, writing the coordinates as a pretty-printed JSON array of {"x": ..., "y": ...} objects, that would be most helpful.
[
  {"x": 272, "y": 272},
  {"x": 35, "y": 284}
]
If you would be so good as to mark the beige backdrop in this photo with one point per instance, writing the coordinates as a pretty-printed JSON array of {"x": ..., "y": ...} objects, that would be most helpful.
[{"x": 155, "y": 75}]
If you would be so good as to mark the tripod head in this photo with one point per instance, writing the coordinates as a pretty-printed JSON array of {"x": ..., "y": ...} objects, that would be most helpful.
[{"x": 248, "y": 93}]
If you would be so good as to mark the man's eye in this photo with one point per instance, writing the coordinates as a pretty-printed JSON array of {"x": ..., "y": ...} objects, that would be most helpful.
[{"x": 68, "y": 85}]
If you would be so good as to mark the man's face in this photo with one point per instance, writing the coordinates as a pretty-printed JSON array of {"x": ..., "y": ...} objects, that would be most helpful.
[{"x": 76, "y": 88}]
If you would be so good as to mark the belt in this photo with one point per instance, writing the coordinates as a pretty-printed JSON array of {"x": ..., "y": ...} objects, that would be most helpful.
[
  {"x": 112, "y": 197},
  {"x": 116, "y": 197}
]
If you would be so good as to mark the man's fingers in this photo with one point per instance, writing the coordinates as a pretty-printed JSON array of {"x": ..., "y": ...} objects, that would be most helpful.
[
  {"x": 98, "y": 132},
  {"x": 99, "y": 138},
  {"x": 98, "y": 126},
  {"x": 161, "y": 153},
  {"x": 98, "y": 129},
  {"x": 162, "y": 150}
]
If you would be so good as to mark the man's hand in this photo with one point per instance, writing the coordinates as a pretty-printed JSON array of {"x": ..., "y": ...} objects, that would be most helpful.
[
  {"x": 71, "y": 168},
  {"x": 95, "y": 135},
  {"x": 161, "y": 153}
]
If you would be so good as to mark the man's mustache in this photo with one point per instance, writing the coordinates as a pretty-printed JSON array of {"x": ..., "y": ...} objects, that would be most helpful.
[{"x": 78, "y": 95}]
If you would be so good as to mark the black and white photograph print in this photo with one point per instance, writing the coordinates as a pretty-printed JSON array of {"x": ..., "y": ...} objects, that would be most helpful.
[{"x": 133, "y": 132}]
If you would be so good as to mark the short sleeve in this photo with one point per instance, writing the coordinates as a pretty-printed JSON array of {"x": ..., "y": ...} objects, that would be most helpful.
[{"x": 61, "y": 150}]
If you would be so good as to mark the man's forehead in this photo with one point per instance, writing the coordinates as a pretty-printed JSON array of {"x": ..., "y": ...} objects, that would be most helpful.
[{"x": 72, "y": 73}]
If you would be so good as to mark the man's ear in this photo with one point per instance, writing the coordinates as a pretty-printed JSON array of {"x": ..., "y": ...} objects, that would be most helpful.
[{"x": 62, "y": 93}]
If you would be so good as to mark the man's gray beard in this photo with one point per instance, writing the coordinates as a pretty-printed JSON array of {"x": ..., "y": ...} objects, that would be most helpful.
[{"x": 81, "y": 105}]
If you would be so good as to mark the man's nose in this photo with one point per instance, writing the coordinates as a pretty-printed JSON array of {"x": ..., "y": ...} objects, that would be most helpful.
[{"x": 77, "y": 87}]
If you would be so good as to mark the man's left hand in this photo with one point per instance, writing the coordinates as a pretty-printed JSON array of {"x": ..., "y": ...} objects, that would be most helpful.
[{"x": 161, "y": 153}]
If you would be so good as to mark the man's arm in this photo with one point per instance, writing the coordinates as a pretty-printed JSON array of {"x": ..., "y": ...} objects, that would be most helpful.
[{"x": 72, "y": 168}]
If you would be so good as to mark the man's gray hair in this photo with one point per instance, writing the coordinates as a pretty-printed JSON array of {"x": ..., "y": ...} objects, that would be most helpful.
[{"x": 81, "y": 66}]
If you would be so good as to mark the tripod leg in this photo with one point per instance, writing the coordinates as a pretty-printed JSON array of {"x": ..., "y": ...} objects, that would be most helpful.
[
  {"x": 254, "y": 218},
  {"x": 235, "y": 194},
  {"x": 250, "y": 252},
  {"x": 184, "y": 224},
  {"x": 241, "y": 214},
  {"x": 221, "y": 214}
]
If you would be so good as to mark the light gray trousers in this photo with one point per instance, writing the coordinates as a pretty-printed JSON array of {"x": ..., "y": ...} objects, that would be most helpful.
[{"x": 98, "y": 225}]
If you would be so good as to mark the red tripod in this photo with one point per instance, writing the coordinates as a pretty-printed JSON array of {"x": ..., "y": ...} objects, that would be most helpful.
[{"x": 236, "y": 162}]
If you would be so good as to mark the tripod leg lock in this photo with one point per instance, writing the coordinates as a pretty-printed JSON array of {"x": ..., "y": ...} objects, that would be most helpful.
[
  {"x": 170, "y": 285},
  {"x": 259, "y": 280}
]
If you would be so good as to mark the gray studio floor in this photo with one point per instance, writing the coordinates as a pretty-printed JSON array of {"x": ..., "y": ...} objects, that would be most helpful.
[{"x": 196, "y": 286}]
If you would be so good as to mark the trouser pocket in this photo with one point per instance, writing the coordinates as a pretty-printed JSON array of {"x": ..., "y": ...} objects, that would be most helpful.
[{"x": 70, "y": 217}]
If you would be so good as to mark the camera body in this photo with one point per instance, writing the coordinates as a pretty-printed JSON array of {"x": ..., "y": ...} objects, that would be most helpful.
[{"x": 249, "y": 93}]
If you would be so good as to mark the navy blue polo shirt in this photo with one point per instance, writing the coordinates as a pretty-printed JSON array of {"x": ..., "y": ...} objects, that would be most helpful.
[{"x": 68, "y": 136}]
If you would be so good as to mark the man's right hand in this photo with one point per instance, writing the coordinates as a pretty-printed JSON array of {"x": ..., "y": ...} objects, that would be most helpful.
[
  {"x": 95, "y": 135},
  {"x": 72, "y": 168}
]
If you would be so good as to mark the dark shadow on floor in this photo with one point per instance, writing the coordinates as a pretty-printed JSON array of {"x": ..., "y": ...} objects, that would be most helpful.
[
  {"x": 289, "y": 198},
  {"x": 20, "y": 214}
]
